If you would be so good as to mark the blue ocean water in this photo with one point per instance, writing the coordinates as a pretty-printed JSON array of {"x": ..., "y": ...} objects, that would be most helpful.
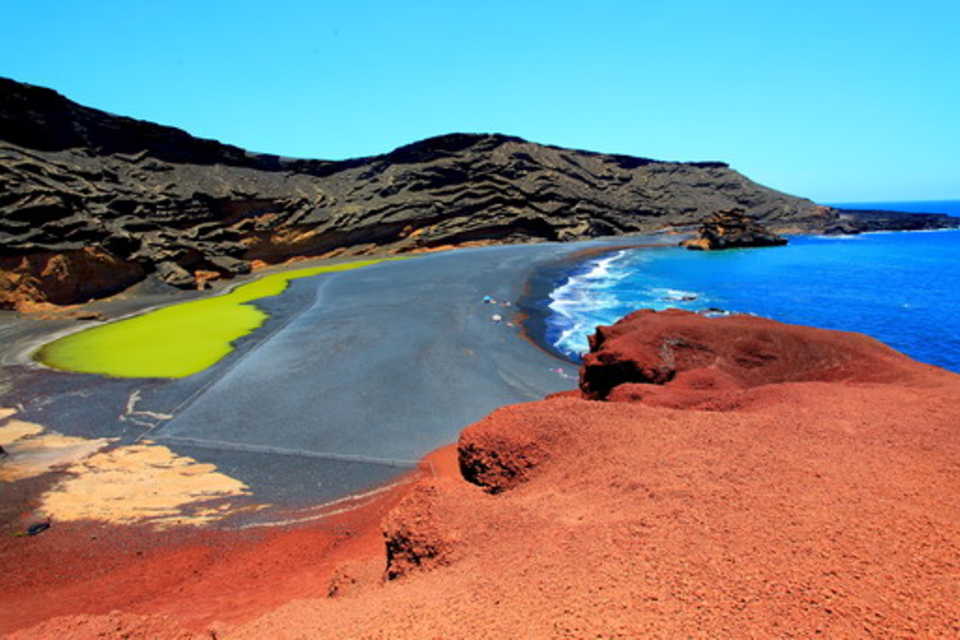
[{"x": 901, "y": 288}]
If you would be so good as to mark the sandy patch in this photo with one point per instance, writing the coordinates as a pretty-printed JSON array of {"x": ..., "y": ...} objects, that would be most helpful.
[
  {"x": 31, "y": 452},
  {"x": 16, "y": 430},
  {"x": 126, "y": 485},
  {"x": 142, "y": 483}
]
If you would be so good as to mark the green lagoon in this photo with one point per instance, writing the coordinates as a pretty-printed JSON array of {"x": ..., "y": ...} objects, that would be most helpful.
[{"x": 175, "y": 341}]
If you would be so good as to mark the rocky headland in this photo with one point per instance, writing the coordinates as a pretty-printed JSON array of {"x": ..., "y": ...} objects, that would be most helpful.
[
  {"x": 92, "y": 203},
  {"x": 711, "y": 477},
  {"x": 732, "y": 229},
  {"x": 864, "y": 220}
]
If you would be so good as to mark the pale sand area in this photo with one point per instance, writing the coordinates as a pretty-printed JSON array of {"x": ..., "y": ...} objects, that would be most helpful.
[{"x": 142, "y": 483}]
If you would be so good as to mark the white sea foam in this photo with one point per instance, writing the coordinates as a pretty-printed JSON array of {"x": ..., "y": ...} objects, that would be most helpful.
[
  {"x": 877, "y": 233},
  {"x": 898, "y": 287},
  {"x": 581, "y": 301},
  {"x": 596, "y": 296},
  {"x": 578, "y": 290},
  {"x": 674, "y": 295}
]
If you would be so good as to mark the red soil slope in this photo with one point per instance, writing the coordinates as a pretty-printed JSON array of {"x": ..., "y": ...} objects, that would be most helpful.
[{"x": 780, "y": 482}]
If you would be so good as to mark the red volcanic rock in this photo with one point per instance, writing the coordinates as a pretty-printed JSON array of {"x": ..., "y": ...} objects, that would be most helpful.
[
  {"x": 680, "y": 358},
  {"x": 825, "y": 509},
  {"x": 414, "y": 536},
  {"x": 497, "y": 460}
]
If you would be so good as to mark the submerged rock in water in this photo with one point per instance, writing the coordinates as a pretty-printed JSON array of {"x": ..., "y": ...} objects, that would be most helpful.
[{"x": 732, "y": 229}]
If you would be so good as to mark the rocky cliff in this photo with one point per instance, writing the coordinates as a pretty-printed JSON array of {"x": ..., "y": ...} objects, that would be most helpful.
[{"x": 81, "y": 189}]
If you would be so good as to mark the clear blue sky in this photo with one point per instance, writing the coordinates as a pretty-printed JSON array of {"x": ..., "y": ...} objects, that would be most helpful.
[{"x": 835, "y": 100}]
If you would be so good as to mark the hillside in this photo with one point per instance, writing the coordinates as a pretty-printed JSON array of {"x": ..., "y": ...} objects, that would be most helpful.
[{"x": 91, "y": 203}]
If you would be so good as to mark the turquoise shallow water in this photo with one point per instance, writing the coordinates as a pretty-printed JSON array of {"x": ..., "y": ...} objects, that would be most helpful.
[{"x": 902, "y": 288}]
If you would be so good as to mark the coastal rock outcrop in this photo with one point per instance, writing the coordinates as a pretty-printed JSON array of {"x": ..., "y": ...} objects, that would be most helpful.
[
  {"x": 414, "y": 535},
  {"x": 683, "y": 356},
  {"x": 29, "y": 281},
  {"x": 853, "y": 221},
  {"x": 732, "y": 229},
  {"x": 161, "y": 202},
  {"x": 498, "y": 461}
]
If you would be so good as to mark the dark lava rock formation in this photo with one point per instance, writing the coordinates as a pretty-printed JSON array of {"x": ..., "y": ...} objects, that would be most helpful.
[
  {"x": 92, "y": 202},
  {"x": 732, "y": 229},
  {"x": 852, "y": 221}
]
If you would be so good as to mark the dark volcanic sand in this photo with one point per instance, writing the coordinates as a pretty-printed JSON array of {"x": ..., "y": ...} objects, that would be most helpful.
[{"x": 353, "y": 378}]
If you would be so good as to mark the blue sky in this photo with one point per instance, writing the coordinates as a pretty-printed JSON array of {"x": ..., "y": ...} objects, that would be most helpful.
[{"x": 837, "y": 101}]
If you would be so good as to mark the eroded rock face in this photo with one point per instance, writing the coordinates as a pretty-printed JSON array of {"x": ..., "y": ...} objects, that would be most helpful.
[
  {"x": 732, "y": 229},
  {"x": 853, "y": 221},
  {"x": 163, "y": 202},
  {"x": 74, "y": 275},
  {"x": 414, "y": 535},
  {"x": 498, "y": 461}
]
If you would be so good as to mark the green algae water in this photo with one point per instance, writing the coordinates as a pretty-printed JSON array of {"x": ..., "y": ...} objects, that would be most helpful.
[{"x": 175, "y": 341}]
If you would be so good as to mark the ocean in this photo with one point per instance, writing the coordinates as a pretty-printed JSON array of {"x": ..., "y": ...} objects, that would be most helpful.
[{"x": 901, "y": 288}]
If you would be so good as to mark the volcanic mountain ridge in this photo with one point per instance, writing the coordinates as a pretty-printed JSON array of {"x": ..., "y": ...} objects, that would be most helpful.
[{"x": 92, "y": 203}]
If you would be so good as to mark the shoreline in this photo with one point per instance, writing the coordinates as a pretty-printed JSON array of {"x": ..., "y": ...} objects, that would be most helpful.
[
  {"x": 43, "y": 394},
  {"x": 661, "y": 284},
  {"x": 534, "y": 300},
  {"x": 89, "y": 568},
  {"x": 136, "y": 307},
  {"x": 50, "y": 576}
]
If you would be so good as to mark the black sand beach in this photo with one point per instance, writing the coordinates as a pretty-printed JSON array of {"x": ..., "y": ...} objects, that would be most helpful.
[{"x": 355, "y": 376}]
